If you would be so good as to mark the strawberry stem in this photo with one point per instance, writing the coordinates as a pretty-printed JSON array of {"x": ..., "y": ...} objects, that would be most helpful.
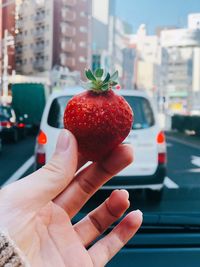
[{"x": 99, "y": 83}]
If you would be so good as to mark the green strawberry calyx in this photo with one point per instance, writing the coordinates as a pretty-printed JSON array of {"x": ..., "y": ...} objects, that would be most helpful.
[{"x": 99, "y": 82}]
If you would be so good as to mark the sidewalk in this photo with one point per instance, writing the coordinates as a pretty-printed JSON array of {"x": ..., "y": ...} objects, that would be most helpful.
[{"x": 188, "y": 139}]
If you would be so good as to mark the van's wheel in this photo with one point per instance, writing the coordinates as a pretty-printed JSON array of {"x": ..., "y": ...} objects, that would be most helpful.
[{"x": 154, "y": 195}]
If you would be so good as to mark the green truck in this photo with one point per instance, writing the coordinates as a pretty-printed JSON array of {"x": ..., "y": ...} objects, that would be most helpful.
[{"x": 28, "y": 102}]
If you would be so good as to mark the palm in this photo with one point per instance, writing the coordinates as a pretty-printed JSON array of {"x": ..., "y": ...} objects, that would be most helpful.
[{"x": 53, "y": 236}]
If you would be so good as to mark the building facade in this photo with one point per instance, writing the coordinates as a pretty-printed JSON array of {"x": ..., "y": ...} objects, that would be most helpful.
[
  {"x": 147, "y": 60},
  {"x": 53, "y": 33},
  {"x": 180, "y": 69}
]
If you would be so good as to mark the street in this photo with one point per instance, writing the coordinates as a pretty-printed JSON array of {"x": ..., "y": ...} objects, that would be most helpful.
[
  {"x": 13, "y": 157},
  {"x": 183, "y": 169}
]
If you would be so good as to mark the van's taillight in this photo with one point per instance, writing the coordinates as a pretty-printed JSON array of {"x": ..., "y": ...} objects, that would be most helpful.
[
  {"x": 162, "y": 156},
  {"x": 40, "y": 155},
  {"x": 42, "y": 138},
  {"x": 161, "y": 138},
  {"x": 40, "y": 158}
]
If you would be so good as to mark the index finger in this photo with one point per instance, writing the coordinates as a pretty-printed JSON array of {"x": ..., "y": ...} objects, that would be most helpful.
[{"x": 91, "y": 178}]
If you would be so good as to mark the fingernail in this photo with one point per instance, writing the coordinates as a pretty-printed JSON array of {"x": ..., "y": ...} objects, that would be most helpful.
[
  {"x": 63, "y": 141},
  {"x": 138, "y": 212},
  {"x": 125, "y": 192}
]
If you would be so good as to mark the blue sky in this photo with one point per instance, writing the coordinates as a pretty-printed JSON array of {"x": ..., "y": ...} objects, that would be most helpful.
[{"x": 156, "y": 12}]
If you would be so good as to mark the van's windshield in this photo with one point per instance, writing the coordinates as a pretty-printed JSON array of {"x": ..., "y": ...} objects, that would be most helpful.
[{"x": 143, "y": 114}]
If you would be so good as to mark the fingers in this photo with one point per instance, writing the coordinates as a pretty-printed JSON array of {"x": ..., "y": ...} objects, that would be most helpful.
[
  {"x": 106, "y": 248},
  {"x": 39, "y": 188},
  {"x": 97, "y": 221},
  {"x": 90, "y": 179}
]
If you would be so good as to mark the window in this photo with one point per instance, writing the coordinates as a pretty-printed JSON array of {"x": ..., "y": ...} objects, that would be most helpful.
[
  {"x": 82, "y": 59},
  {"x": 25, "y": 32},
  {"x": 46, "y": 58},
  {"x": 55, "y": 118},
  {"x": 83, "y": 14},
  {"x": 82, "y": 44},
  {"x": 83, "y": 29},
  {"x": 143, "y": 113},
  {"x": 47, "y": 27}
]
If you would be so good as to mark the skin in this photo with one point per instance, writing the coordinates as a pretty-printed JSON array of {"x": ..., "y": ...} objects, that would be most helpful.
[{"x": 36, "y": 211}]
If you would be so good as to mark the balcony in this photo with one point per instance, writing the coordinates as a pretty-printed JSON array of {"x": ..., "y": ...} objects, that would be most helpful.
[
  {"x": 39, "y": 64},
  {"x": 40, "y": 7},
  {"x": 67, "y": 61},
  {"x": 68, "y": 15},
  {"x": 18, "y": 67},
  {"x": 40, "y": 18},
  {"x": 68, "y": 47},
  {"x": 19, "y": 24},
  {"x": 19, "y": 38},
  {"x": 39, "y": 34},
  {"x": 68, "y": 31},
  {"x": 39, "y": 49},
  {"x": 18, "y": 49},
  {"x": 69, "y": 2}
]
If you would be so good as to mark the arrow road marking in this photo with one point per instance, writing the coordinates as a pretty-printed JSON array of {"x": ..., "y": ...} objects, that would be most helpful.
[
  {"x": 195, "y": 160},
  {"x": 170, "y": 184},
  {"x": 16, "y": 175}
]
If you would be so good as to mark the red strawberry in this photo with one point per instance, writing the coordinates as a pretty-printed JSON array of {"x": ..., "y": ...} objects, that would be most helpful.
[{"x": 99, "y": 118}]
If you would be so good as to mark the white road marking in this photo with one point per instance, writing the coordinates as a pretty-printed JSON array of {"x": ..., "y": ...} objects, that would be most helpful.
[
  {"x": 195, "y": 170},
  {"x": 195, "y": 161},
  {"x": 169, "y": 144},
  {"x": 16, "y": 175},
  {"x": 183, "y": 142},
  {"x": 170, "y": 184},
  {"x": 167, "y": 182}
]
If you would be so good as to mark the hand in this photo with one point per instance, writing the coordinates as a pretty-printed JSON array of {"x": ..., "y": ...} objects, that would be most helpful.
[{"x": 37, "y": 210}]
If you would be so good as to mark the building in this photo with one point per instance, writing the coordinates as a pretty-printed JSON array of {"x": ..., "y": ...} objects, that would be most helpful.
[
  {"x": 147, "y": 60},
  {"x": 129, "y": 54},
  {"x": 7, "y": 52},
  {"x": 100, "y": 19},
  {"x": 53, "y": 33},
  {"x": 181, "y": 68},
  {"x": 7, "y": 22},
  {"x": 107, "y": 47},
  {"x": 194, "y": 21}
]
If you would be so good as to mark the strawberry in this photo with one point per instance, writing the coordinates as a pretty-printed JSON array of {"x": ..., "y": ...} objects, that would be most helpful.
[{"x": 99, "y": 118}]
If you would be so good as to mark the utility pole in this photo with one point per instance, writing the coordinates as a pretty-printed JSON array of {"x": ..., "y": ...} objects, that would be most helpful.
[{"x": 7, "y": 41}]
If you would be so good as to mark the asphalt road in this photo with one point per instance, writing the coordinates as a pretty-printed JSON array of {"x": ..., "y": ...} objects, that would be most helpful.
[
  {"x": 183, "y": 162},
  {"x": 13, "y": 156}
]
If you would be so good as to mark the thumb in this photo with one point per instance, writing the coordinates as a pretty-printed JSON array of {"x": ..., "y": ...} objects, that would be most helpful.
[{"x": 37, "y": 189}]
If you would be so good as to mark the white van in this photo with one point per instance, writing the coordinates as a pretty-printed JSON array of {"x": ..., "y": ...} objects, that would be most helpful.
[{"x": 149, "y": 167}]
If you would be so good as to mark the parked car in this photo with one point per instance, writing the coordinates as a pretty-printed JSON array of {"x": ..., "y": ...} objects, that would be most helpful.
[
  {"x": 8, "y": 123},
  {"x": 149, "y": 167}
]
